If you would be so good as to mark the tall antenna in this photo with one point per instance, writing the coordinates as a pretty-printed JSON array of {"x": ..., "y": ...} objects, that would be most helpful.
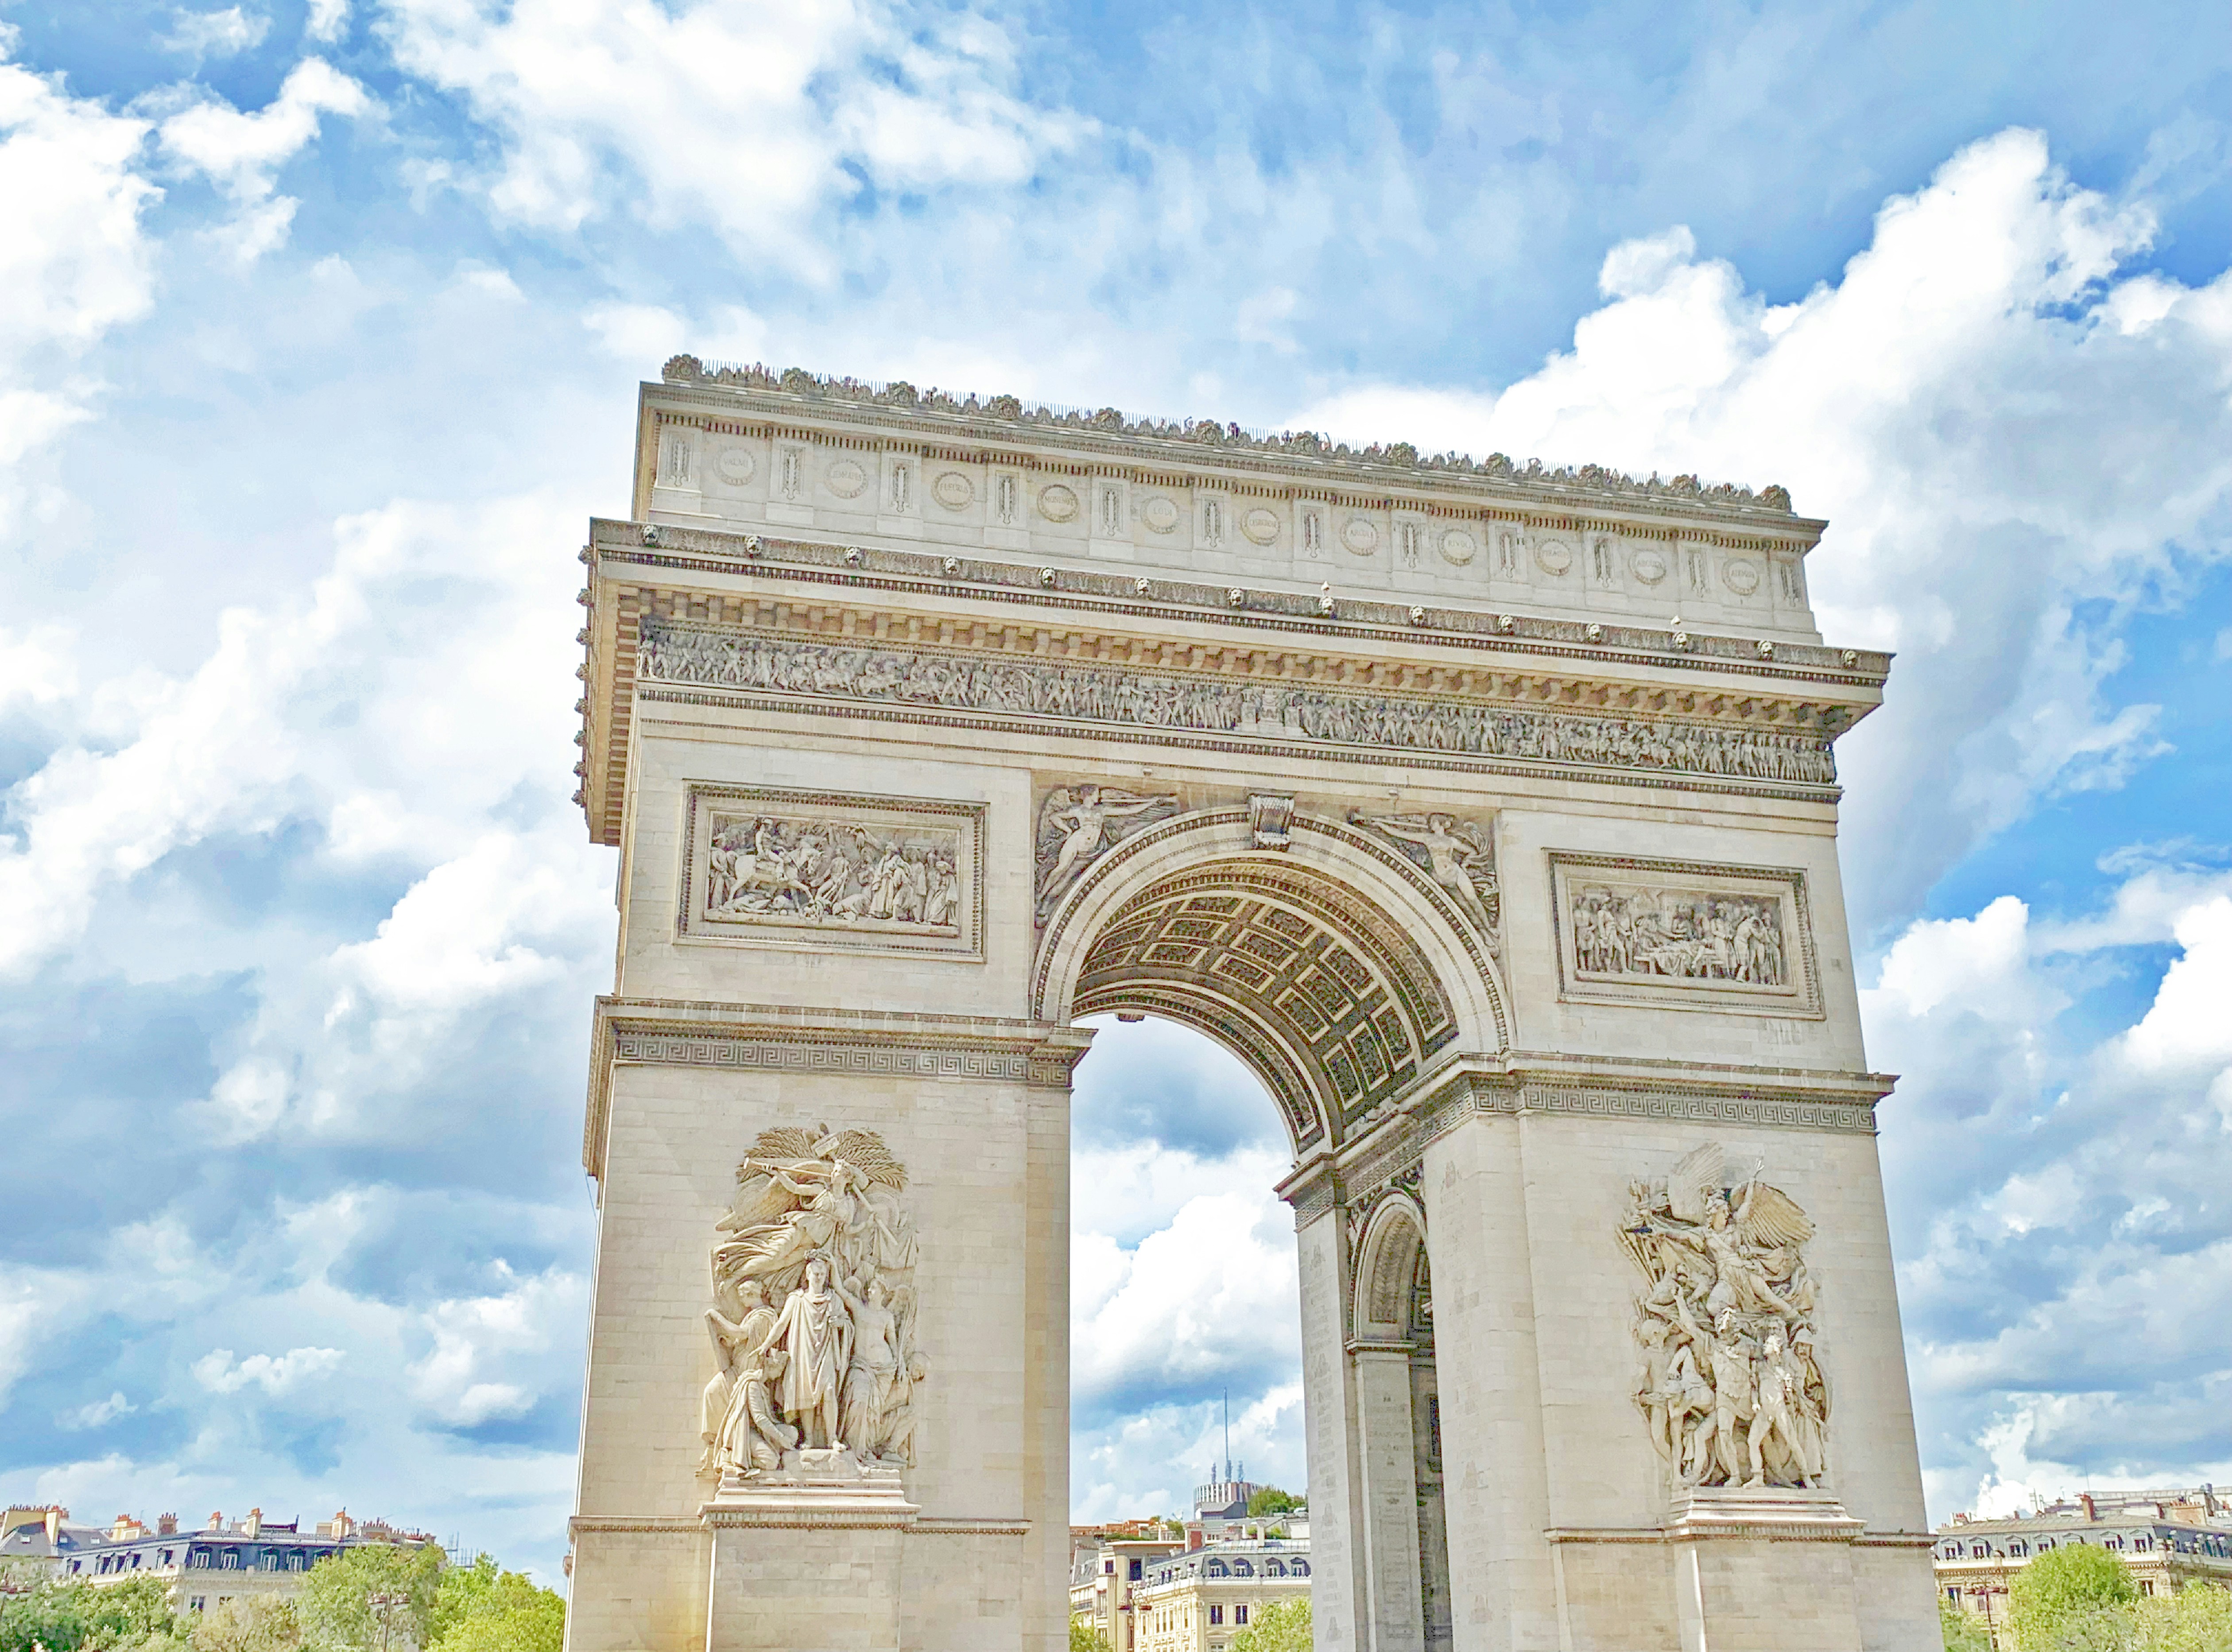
[{"x": 1227, "y": 1434}]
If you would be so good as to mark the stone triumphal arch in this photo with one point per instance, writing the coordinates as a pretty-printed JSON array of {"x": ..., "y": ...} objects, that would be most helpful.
[{"x": 925, "y": 726}]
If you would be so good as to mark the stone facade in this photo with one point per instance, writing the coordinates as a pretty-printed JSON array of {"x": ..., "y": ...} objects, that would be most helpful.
[{"x": 925, "y": 728}]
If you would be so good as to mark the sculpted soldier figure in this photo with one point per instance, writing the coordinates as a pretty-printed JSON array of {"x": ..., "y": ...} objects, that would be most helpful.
[
  {"x": 1729, "y": 1307},
  {"x": 751, "y": 1438}
]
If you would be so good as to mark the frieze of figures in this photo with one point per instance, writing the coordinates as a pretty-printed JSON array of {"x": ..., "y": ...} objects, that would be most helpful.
[
  {"x": 1730, "y": 1380},
  {"x": 1123, "y": 695},
  {"x": 814, "y": 1311},
  {"x": 815, "y": 871},
  {"x": 1679, "y": 934}
]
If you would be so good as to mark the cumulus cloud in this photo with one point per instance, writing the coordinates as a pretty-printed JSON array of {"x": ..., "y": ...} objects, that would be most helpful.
[
  {"x": 220, "y": 1373},
  {"x": 228, "y": 33},
  {"x": 99, "y": 1412},
  {"x": 754, "y": 118},
  {"x": 489, "y": 1350},
  {"x": 76, "y": 261},
  {"x": 241, "y": 152},
  {"x": 2066, "y": 1250},
  {"x": 2001, "y": 427},
  {"x": 327, "y": 20}
]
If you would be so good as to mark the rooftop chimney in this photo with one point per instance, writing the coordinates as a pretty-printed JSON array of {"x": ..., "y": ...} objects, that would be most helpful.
[
  {"x": 217, "y": 1520},
  {"x": 2091, "y": 1513},
  {"x": 255, "y": 1521},
  {"x": 166, "y": 1526}
]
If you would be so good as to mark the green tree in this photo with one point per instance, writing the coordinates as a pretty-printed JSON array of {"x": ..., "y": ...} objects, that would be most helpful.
[
  {"x": 249, "y": 1623},
  {"x": 335, "y": 1605},
  {"x": 1083, "y": 1637},
  {"x": 2062, "y": 1591},
  {"x": 2198, "y": 1618},
  {"x": 1964, "y": 1631},
  {"x": 1283, "y": 1626},
  {"x": 78, "y": 1618},
  {"x": 481, "y": 1608},
  {"x": 1269, "y": 1500}
]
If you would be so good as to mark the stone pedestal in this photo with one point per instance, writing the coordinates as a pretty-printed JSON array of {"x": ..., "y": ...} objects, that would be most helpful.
[
  {"x": 1765, "y": 1570},
  {"x": 806, "y": 1559}
]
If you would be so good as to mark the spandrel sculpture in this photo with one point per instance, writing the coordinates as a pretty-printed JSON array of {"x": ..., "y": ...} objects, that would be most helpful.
[
  {"x": 1730, "y": 1381},
  {"x": 814, "y": 1315}
]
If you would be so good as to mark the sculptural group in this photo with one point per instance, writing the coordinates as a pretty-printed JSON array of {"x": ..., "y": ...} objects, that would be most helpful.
[
  {"x": 831, "y": 871},
  {"x": 812, "y": 1326},
  {"x": 1730, "y": 1380}
]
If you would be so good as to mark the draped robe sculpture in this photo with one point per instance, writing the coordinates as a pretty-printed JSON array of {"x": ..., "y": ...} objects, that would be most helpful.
[{"x": 820, "y": 1225}]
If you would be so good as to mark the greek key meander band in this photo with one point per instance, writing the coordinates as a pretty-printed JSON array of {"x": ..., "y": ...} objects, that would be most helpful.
[
  {"x": 1362, "y": 1182},
  {"x": 873, "y": 1060}
]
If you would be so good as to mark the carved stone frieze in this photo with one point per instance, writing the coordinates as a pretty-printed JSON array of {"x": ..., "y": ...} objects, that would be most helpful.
[
  {"x": 1210, "y": 435},
  {"x": 771, "y": 867},
  {"x": 1684, "y": 934},
  {"x": 1459, "y": 855},
  {"x": 1078, "y": 825},
  {"x": 815, "y": 1314},
  {"x": 1729, "y": 1378},
  {"x": 687, "y": 654}
]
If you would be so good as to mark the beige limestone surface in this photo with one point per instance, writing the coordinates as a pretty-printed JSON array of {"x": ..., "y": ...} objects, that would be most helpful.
[{"x": 1421, "y": 1022}]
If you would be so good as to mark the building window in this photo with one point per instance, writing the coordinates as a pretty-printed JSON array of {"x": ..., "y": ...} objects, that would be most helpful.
[
  {"x": 1977, "y": 1552},
  {"x": 1239, "y": 1613},
  {"x": 1139, "y": 1570},
  {"x": 1302, "y": 1568},
  {"x": 1242, "y": 1569}
]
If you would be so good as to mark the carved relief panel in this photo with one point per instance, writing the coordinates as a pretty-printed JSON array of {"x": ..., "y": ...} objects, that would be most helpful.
[
  {"x": 771, "y": 868},
  {"x": 813, "y": 1321},
  {"x": 1683, "y": 934},
  {"x": 1728, "y": 1376}
]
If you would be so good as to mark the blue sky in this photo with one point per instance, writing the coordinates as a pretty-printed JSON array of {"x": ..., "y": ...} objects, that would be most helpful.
[{"x": 323, "y": 327}]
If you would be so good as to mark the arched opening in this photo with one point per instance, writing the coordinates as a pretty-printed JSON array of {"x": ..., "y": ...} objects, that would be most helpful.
[{"x": 1344, "y": 983}]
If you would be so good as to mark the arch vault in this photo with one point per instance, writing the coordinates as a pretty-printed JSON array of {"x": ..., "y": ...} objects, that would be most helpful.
[{"x": 926, "y": 727}]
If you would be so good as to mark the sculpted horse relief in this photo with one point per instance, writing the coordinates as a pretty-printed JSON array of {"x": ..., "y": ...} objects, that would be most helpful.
[{"x": 820, "y": 1227}]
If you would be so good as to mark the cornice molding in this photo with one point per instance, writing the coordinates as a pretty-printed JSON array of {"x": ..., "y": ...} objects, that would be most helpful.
[
  {"x": 855, "y": 596},
  {"x": 935, "y": 421},
  {"x": 735, "y": 1037}
]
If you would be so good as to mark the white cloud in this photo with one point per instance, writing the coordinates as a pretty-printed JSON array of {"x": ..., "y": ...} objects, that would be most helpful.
[
  {"x": 751, "y": 117},
  {"x": 486, "y": 1348},
  {"x": 242, "y": 153},
  {"x": 101, "y": 1411},
  {"x": 1214, "y": 1289},
  {"x": 217, "y": 34},
  {"x": 1981, "y": 393},
  {"x": 327, "y": 20},
  {"x": 76, "y": 261},
  {"x": 220, "y": 1373},
  {"x": 2064, "y": 1247}
]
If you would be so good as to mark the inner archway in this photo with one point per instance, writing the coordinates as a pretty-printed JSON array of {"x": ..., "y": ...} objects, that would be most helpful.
[{"x": 1345, "y": 982}]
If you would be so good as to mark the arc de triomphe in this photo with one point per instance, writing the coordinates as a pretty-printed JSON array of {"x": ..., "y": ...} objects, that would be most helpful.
[{"x": 925, "y": 726}]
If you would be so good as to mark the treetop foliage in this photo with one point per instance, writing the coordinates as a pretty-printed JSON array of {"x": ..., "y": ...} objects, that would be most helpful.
[
  {"x": 476, "y": 1608},
  {"x": 1283, "y": 1626}
]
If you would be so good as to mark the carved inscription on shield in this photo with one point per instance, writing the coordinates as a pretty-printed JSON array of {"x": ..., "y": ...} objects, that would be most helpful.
[
  {"x": 1684, "y": 934},
  {"x": 771, "y": 868}
]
